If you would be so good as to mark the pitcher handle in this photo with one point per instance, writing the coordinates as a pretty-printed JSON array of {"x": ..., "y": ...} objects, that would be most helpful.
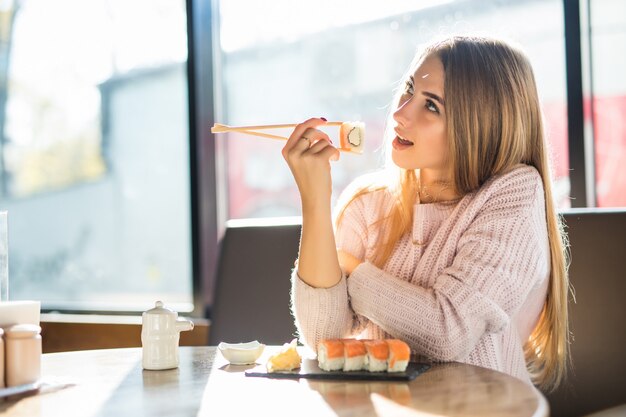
[{"x": 183, "y": 324}]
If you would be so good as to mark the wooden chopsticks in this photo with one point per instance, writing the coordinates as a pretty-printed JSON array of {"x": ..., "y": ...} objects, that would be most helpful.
[
  {"x": 219, "y": 128},
  {"x": 250, "y": 130}
]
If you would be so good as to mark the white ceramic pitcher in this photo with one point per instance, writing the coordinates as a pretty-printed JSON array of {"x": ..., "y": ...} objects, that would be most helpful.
[{"x": 160, "y": 334}]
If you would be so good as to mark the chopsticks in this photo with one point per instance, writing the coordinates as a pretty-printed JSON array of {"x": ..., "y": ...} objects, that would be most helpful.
[
  {"x": 219, "y": 128},
  {"x": 250, "y": 130}
]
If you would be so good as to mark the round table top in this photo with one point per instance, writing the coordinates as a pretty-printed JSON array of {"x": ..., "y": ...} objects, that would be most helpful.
[{"x": 112, "y": 383}]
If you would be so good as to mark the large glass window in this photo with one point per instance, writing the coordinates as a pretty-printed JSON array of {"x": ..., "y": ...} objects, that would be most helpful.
[
  {"x": 94, "y": 124},
  {"x": 94, "y": 152},
  {"x": 606, "y": 102},
  {"x": 287, "y": 61}
]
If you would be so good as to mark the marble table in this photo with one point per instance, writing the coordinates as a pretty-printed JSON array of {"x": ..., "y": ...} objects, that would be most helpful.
[{"x": 112, "y": 383}]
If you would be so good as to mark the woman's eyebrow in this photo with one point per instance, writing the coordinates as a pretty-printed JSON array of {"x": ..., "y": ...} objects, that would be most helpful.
[
  {"x": 428, "y": 93},
  {"x": 434, "y": 97}
]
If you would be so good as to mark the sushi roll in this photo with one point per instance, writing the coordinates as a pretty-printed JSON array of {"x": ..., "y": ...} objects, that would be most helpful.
[
  {"x": 391, "y": 355},
  {"x": 352, "y": 136},
  {"x": 355, "y": 355},
  {"x": 330, "y": 356},
  {"x": 399, "y": 355},
  {"x": 377, "y": 355}
]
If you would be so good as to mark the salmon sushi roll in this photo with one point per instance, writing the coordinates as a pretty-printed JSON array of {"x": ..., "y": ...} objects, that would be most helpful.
[
  {"x": 399, "y": 355},
  {"x": 352, "y": 136},
  {"x": 355, "y": 355},
  {"x": 330, "y": 356},
  {"x": 377, "y": 355}
]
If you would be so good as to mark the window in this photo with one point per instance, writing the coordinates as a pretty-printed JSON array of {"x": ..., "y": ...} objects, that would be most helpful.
[
  {"x": 94, "y": 151},
  {"x": 605, "y": 101},
  {"x": 95, "y": 126},
  {"x": 343, "y": 63}
]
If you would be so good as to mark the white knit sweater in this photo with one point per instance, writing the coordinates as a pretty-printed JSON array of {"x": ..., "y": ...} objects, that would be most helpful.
[{"x": 466, "y": 284}]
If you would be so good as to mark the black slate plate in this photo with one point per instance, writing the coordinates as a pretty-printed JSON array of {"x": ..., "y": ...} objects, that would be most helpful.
[{"x": 310, "y": 370}]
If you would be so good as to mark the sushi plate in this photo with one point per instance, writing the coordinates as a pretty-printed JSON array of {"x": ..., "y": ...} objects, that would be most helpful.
[{"x": 311, "y": 370}]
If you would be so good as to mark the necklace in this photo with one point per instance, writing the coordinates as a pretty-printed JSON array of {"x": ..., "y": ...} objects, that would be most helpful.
[{"x": 426, "y": 196}]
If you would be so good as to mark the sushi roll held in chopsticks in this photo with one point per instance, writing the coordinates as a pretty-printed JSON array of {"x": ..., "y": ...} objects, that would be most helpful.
[{"x": 351, "y": 134}]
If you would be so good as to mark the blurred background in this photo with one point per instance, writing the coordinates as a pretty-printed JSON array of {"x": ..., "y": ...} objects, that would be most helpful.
[{"x": 105, "y": 105}]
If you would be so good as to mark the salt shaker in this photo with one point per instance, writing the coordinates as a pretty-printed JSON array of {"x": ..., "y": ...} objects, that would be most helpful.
[
  {"x": 1, "y": 358},
  {"x": 160, "y": 334},
  {"x": 23, "y": 354}
]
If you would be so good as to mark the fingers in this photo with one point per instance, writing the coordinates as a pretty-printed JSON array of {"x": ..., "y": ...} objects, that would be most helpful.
[
  {"x": 321, "y": 148},
  {"x": 324, "y": 149},
  {"x": 302, "y": 144},
  {"x": 315, "y": 135},
  {"x": 298, "y": 132},
  {"x": 310, "y": 141},
  {"x": 308, "y": 152},
  {"x": 307, "y": 140}
]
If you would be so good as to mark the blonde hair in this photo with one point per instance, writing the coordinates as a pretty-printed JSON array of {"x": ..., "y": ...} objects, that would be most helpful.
[{"x": 494, "y": 123}]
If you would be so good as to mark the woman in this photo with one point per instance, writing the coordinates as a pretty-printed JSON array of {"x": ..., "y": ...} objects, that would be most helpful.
[{"x": 460, "y": 253}]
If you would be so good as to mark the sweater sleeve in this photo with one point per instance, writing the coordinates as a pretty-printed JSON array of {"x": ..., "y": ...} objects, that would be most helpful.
[
  {"x": 499, "y": 257},
  {"x": 325, "y": 313}
]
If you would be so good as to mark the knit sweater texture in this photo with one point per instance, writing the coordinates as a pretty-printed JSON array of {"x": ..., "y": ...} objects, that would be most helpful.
[{"x": 466, "y": 284}]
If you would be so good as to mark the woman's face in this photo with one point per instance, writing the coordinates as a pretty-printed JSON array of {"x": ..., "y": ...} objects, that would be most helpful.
[{"x": 420, "y": 126}]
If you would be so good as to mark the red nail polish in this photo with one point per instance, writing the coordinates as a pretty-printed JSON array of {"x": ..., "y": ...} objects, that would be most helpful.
[{"x": 324, "y": 119}]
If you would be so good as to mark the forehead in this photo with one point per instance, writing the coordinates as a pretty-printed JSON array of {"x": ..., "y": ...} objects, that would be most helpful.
[{"x": 430, "y": 73}]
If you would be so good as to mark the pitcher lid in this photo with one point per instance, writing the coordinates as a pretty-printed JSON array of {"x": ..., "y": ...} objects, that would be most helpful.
[{"x": 160, "y": 309}]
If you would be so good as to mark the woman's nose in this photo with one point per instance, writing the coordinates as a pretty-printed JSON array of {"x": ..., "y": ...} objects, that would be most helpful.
[{"x": 402, "y": 115}]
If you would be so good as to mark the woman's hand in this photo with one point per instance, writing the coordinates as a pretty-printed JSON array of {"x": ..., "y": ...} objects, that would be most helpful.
[
  {"x": 308, "y": 153},
  {"x": 348, "y": 262}
]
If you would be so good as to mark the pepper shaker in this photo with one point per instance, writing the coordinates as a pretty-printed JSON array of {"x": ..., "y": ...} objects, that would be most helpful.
[{"x": 23, "y": 354}]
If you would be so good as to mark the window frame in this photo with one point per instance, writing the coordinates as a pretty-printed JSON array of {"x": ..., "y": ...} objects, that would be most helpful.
[
  {"x": 580, "y": 144},
  {"x": 202, "y": 36}
]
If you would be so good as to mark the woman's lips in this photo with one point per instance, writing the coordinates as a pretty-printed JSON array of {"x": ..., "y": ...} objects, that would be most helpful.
[{"x": 399, "y": 143}]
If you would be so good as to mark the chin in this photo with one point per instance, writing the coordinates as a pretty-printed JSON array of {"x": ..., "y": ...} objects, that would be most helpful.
[{"x": 402, "y": 160}]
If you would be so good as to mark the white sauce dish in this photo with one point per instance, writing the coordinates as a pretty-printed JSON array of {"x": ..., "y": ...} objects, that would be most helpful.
[{"x": 241, "y": 353}]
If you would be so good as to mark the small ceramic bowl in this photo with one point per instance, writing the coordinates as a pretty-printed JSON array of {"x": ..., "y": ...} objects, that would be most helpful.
[{"x": 241, "y": 353}]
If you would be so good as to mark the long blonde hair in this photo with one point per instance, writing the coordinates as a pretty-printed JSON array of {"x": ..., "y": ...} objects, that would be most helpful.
[{"x": 494, "y": 122}]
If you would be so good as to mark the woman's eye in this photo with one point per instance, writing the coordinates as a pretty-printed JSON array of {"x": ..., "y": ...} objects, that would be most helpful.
[{"x": 431, "y": 106}]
